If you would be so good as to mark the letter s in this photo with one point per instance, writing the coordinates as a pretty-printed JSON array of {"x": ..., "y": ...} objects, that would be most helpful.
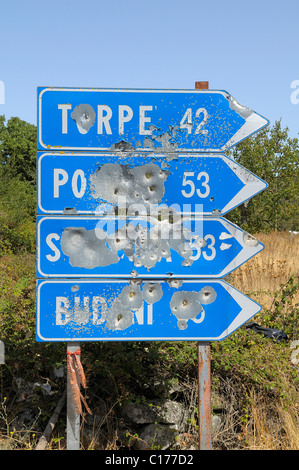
[{"x": 53, "y": 247}]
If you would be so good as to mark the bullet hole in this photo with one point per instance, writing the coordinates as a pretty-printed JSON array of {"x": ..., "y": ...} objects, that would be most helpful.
[
  {"x": 152, "y": 292},
  {"x": 84, "y": 116},
  {"x": 131, "y": 296},
  {"x": 141, "y": 184},
  {"x": 249, "y": 240},
  {"x": 119, "y": 317},
  {"x": 182, "y": 324},
  {"x": 185, "y": 305},
  {"x": 207, "y": 295},
  {"x": 85, "y": 249},
  {"x": 175, "y": 283}
]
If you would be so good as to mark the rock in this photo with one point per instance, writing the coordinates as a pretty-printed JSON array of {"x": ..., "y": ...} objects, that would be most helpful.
[
  {"x": 218, "y": 403},
  {"x": 216, "y": 424},
  {"x": 165, "y": 412},
  {"x": 58, "y": 372},
  {"x": 45, "y": 388},
  {"x": 295, "y": 353},
  {"x": 156, "y": 436}
]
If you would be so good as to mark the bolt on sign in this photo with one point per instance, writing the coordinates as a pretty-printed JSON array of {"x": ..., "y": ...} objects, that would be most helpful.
[{"x": 132, "y": 189}]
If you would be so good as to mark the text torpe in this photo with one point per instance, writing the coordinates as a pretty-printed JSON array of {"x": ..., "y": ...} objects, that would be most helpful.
[{"x": 108, "y": 120}]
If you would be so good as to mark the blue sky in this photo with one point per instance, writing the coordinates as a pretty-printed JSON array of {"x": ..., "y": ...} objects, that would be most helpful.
[{"x": 249, "y": 49}]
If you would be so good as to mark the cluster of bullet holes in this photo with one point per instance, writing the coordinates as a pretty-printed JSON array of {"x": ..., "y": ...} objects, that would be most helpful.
[
  {"x": 119, "y": 184},
  {"x": 184, "y": 305},
  {"x": 143, "y": 244}
]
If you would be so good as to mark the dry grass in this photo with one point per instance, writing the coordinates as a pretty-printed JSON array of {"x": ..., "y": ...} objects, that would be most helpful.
[
  {"x": 262, "y": 275},
  {"x": 270, "y": 429},
  {"x": 270, "y": 426}
]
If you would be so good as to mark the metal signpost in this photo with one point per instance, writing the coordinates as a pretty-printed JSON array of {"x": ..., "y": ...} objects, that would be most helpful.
[
  {"x": 131, "y": 242},
  {"x": 2, "y": 353}
]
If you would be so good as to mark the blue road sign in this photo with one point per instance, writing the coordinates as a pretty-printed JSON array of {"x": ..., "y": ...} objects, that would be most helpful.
[
  {"x": 144, "y": 120},
  {"x": 95, "y": 183},
  {"x": 111, "y": 310},
  {"x": 166, "y": 245}
]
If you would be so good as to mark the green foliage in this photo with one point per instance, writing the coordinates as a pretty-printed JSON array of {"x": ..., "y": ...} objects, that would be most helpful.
[
  {"x": 258, "y": 361},
  {"x": 23, "y": 355},
  {"x": 128, "y": 366},
  {"x": 272, "y": 156},
  {"x": 17, "y": 186},
  {"x": 255, "y": 361},
  {"x": 17, "y": 216},
  {"x": 18, "y": 149},
  {"x": 284, "y": 312},
  {"x": 17, "y": 298}
]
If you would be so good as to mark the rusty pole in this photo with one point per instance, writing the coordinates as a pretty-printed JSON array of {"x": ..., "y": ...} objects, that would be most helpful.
[
  {"x": 204, "y": 374},
  {"x": 204, "y": 396},
  {"x": 72, "y": 417}
]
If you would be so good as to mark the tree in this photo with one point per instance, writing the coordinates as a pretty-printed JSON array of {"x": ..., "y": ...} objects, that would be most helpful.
[
  {"x": 273, "y": 156},
  {"x": 18, "y": 149},
  {"x": 17, "y": 185}
]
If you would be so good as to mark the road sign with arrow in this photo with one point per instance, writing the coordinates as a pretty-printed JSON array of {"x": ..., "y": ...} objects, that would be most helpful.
[
  {"x": 145, "y": 120},
  {"x": 97, "y": 183},
  {"x": 112, "y": 310},
  {"x": 141, "y": 247}
]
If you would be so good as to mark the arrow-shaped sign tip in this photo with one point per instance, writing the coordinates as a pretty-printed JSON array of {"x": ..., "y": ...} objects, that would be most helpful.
[
  {"x": 248, "y": 308},
  {"x": 254, "y": 122}
]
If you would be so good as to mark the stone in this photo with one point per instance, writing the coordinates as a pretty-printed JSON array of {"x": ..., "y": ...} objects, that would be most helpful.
[
  {"x": 166, "y": 412},
  {"x": 156, "y": 436}
]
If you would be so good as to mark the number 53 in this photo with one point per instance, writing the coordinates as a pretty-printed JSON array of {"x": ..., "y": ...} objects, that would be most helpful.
[{"x": 189, "y": 182}]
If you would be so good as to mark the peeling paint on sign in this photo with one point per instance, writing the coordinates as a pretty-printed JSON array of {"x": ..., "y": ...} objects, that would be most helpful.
[
  {"x": 84, "y": 116},
  {"x": 116, "y": 183},
  {"x": 143, "y": 245}
]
